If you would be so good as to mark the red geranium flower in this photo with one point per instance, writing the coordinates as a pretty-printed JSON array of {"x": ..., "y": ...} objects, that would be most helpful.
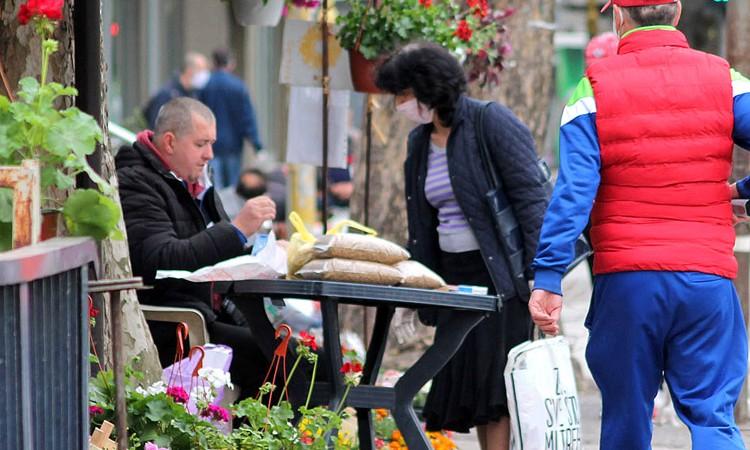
[
  {"x": 351, "y": 367},
  {"x": 307, "y": 440},
  {"x": 178, "y": 394},
  {"x": 308, "y": 340},
  {"x": 425, "y": 3},
  {"x": 95, "y": 410},
  {"x": 51, "y": 9},
  {"x": 24, "y": 14},
  {"x": 463, "y": 31},
  {"x": 93, "y": 312},
  {"x": 216, "y": 413}
]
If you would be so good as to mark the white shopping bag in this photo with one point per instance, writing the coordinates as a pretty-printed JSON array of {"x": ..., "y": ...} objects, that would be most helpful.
[{"x": 542, "y": 397}]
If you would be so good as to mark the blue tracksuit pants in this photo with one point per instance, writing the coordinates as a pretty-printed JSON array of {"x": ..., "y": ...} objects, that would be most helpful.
[{"x": 687, "y": 326}]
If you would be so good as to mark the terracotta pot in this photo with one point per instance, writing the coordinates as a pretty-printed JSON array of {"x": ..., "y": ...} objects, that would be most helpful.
[
  {"x": 254, "y": 12},
  {"x": 363, "y": 73},
  {"x": 50, "y": 219}
]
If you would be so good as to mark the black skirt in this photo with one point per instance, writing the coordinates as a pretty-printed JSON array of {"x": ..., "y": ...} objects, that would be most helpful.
[{"x": 470, "y": 389}]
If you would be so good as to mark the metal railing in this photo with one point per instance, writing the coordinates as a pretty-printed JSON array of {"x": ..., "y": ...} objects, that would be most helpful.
[{"x": 44, "y": 345}]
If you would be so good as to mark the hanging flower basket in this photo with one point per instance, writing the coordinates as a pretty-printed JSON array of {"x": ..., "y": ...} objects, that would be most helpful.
[
  {"x": 258, "y": 12},
  {"x": 363, "y": 72}
]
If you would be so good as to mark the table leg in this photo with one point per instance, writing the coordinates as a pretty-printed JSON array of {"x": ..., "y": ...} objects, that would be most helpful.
[
  {"x": 448, "y": 338},
  {"x": 332, "y": 345},
  {"x": 370, "y": 373}
]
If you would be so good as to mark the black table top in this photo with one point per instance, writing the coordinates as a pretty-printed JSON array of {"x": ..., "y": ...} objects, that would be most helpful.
[{"x": 356, "y": 293}]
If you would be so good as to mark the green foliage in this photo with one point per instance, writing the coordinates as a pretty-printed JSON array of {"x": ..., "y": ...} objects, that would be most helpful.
[
  {"x": 394, "y": 22},
  {"x": 32, "y": 127},
  {"x": 89, "y": 213}
]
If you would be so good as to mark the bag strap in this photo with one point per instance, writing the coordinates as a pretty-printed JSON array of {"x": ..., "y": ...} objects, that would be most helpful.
[{"x": 484, "y": 152}]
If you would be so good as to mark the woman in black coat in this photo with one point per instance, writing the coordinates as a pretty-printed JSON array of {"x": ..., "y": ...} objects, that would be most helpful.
[{"x": 451, "y": 229}]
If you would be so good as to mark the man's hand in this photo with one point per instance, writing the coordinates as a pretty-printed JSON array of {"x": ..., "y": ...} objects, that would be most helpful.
[
  {"x": 252, "y": 215},
  {"x": 545, "y": 308},
  {"x": 735, "y": 191}
]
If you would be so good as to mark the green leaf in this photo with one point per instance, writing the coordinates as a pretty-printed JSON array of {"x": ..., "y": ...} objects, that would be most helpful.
[
  {"x": 29, "y": 89},
  {"x": 6, "y": 205},
  {"x": 157, "y": 409},
  {"x": 76, "y": 132},
  {"x": 89, "y": 213}
]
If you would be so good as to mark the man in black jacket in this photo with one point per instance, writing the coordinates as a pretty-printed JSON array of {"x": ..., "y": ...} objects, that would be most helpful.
[{"x": 175, "y": 221}]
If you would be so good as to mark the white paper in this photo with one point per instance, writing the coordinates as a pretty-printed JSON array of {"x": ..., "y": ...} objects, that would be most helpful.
[
  {"x": 305, "y": 130},
  {"x": 302, "y": 57},
  {"x": 268, "y": 264}
]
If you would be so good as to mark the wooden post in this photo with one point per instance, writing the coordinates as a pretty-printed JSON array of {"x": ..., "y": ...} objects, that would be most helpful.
[
  {"x": 100, "y": 438},
  {"x": 25, "y": 182}
]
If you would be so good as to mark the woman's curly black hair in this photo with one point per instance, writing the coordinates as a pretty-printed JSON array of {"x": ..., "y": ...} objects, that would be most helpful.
[{"x": 432, "y": 73}]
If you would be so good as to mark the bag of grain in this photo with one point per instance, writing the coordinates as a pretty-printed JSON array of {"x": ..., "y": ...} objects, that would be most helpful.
[
  {"x": 349, "y": 271},
  {"x": 416, "y": 275}
]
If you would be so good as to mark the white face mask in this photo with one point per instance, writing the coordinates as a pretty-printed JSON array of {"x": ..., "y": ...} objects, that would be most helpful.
[
  {"x": 199, "y": 79},
  {"x": 415, "y": 111}
]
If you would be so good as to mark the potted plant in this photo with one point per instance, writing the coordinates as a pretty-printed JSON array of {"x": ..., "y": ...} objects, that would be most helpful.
[
  {"x": 265, "y": 12},
  {"x": 371, "y": 29},
  {"x": 33, "y": 127}
]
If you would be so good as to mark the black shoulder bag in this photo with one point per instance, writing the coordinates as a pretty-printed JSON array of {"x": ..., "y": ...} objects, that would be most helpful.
[{"x": 506, "y": 224}]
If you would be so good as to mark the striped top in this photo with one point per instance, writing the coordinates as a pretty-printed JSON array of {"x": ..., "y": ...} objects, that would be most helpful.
[{"x": 454, "y": 232}]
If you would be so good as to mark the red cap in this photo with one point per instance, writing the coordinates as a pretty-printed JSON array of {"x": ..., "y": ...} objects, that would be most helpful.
[{"x": 628, "y": 3}]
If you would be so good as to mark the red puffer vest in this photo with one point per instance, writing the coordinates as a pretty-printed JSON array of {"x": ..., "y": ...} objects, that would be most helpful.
[{"x": 665, "y": 119}]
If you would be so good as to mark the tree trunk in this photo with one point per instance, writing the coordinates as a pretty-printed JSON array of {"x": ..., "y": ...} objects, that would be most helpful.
[
  {"x": 527, "y": 80},
  {"x": 113, "y": 255},
  {"x": 21, "y": 56}
]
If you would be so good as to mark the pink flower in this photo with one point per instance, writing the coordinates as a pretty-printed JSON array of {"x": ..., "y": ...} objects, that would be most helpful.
[
  {"x": 152, "y": 446},
  {"x": 178, "y": 394},
  {"x": 217, "y": 413},
  {"x": 95, "y": 410}
]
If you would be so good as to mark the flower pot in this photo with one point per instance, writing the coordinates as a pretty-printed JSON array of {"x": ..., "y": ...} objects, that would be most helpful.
[
  {"x": 363, "y": 73},
  {"x": 254, "y": 12},
  {"x": 50, "y": 219}
]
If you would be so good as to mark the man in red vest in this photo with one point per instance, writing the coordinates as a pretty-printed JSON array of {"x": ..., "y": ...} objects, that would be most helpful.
[{"x": 646, "y": 149}]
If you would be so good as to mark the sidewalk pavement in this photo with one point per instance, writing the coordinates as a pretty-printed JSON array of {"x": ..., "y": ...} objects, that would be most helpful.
[{"x": 670, "y": 435}]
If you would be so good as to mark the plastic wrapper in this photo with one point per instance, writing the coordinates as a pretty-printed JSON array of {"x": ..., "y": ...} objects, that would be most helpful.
[
  {"x": 359, "y": 247},
  {"x": 416, "y": 275},
  {"x": 350, "y": 271}
]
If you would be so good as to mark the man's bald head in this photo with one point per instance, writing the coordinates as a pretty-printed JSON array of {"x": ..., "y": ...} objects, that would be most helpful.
[{"x": 177, "y": 116}]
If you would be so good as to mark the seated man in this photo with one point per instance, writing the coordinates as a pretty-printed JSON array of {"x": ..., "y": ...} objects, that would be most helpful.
[{"x": 175, "y": 221}]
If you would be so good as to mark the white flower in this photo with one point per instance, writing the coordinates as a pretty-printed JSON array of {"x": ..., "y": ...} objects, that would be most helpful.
[
  {"x": 203, "y": 394},
  {"x": 157, "y": 388},
  {"x": 216, "y": 377}
]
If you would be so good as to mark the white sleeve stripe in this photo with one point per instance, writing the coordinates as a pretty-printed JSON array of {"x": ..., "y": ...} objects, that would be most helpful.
[
  {"x": 740, "y": 87},
  {"x": 586, "y": 105}
]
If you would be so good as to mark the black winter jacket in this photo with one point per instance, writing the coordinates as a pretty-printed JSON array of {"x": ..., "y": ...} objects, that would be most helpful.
[
  {"x": 167, "y": 230},
  {"x": 512, "y": 148}
]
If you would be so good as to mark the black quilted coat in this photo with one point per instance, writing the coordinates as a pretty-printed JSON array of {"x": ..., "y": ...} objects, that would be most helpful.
[
  {"x": 168, "y": 230},
  {"x": 512, "y": 148}
]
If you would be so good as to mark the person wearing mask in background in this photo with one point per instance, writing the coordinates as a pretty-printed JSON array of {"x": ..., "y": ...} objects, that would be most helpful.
[
  {"x": 252, "y": 183},
  {"x": 450, "y": 222},
  {"x": 193, "y": 76},
  {"x": 646, "y": 148},
  {"x": 230, "y": 102},
  {"x": 175, "y": 221}
]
